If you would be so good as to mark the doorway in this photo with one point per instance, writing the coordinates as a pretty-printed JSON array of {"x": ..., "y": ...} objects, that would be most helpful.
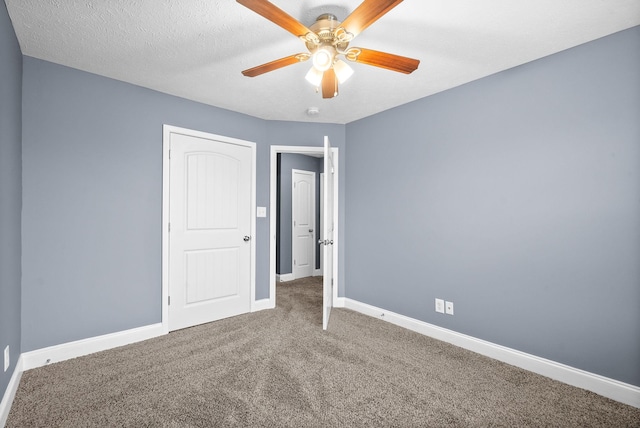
[
  {"x": 293, "y": 167},
  {"x": 316, "y": 152}
]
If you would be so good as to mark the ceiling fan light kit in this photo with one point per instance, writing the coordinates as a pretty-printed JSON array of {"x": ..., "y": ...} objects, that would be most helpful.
[
  {"x": 328, "y": 39},
  {"x": 314, "y": 76},
  {"x": 323, "y": 58},
  {"x": 343, "y": 71}
]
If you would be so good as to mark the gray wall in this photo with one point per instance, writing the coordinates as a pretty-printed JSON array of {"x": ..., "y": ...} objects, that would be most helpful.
[
  {"x": 287, "y": 162},
  {"x": 92, "y": 190},
  {"x": 517, "y": 197},
  {"x": 10, "y": 193},
  {"x": 312, "y": 134}
]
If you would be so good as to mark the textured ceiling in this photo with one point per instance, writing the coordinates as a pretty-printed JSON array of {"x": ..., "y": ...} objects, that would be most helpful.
[{"x": 196, "y": 49}]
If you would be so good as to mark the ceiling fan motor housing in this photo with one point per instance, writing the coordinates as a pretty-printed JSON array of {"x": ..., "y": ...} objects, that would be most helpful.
[{"x": 327, "y": 28}]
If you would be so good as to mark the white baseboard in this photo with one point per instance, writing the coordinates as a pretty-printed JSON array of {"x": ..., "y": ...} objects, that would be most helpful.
[
  {"x": 262, "y": 304},
  {"x": 610, "y": 388},
  {"x": 285, "y": 277},
  {"x": 78, "y": 348},
  {"x": 10, "y": 393}
]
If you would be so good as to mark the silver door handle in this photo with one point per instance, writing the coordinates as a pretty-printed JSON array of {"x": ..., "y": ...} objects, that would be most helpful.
[
  {"x": 310, "y": 230},
  {"x": 246, "y": 238},
  {"x": 320, "y": 241}
]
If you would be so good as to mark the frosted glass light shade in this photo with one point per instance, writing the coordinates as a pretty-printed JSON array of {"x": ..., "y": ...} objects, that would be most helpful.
[
  {"x": 314, "y": 76},
  {"x": 322, "y": 59},
  {"x": 343, "y": 71}
]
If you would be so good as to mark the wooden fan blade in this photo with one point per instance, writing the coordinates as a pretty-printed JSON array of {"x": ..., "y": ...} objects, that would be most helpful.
[
  {"x": 274, "y": 65},
  {"x": 389, "y": 61},
  {"x": 329, "y": 84},
  {"x": 366, "y": 14},
  {"x": 276, "y": 15}
]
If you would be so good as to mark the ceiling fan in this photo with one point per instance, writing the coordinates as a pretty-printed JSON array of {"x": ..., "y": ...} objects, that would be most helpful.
[{"x": 329, "y": 38}]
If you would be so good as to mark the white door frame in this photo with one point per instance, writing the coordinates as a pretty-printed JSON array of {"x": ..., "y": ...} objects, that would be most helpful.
[
  {"x": 321, "y": 225},
  {"x": 313, "y": 220},
  {"x": 167, "y": 130},
  {"x": 309, "y": 151}
]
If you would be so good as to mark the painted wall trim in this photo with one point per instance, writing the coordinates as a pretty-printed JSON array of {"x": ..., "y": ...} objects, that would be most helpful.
[
  {"x": 610, "y": 388},
  {"x": 10, "y": 393},
  {"x": 285, "y": 277},
  {"x": 261, "y": 305},
  {"x": 79, "y": 348},
  {"x": 289, "y": 276}
]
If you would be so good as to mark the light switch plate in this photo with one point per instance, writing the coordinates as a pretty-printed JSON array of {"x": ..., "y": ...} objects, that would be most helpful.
[
  {"x": 6, "y": 358},
  {"x": 261, "y": 212}
]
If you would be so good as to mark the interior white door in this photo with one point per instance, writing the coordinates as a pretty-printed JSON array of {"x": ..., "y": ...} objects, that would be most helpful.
[
  {"x": 303, "y": 219},
  {"x": 327, "y": 237},
  {"x": 210, "y": 230}
]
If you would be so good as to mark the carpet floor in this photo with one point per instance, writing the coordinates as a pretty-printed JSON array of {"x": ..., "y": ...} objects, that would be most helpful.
[{"x": 277, "y": 368}]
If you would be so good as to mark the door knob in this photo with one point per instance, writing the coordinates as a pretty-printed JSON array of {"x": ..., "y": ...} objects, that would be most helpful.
[
  {"x": 246, "y": 238},
  {"x": 320, "y": 241},
  {"x": 310, "y": 230}
]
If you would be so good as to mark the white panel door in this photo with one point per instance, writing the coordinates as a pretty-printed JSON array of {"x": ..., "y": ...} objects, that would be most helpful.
[
  {"x": 210, "y": 230},
  {"x": 303, "y": 219},
  {"x": 328, "y": 224}
]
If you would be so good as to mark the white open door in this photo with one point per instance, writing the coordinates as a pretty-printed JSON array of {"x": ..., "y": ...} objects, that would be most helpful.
[{"x": 327, "y": 234}]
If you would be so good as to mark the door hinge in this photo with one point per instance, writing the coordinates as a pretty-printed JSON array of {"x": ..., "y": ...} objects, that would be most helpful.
[
  {"x": 169, "y": 153},
  {"x": 169, "y": 226},
  {"x": 169, "y": 300},
  {"x": 294, "y": 261}
]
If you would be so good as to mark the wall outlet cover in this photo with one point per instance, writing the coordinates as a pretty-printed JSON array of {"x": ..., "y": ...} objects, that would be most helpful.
[
  {"x": 440, "y": 306},
  {"x": 449, "y": 307}
]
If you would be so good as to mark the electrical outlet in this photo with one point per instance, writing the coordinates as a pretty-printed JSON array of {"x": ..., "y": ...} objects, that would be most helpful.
[
  {"x": 440, "y": 306},
  {"x": 6, "y": 358},
  {"x": 449, "y": 307}
]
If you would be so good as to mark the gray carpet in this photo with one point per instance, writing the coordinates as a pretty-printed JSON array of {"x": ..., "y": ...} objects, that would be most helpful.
[{"x": 277, "y": 368}]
